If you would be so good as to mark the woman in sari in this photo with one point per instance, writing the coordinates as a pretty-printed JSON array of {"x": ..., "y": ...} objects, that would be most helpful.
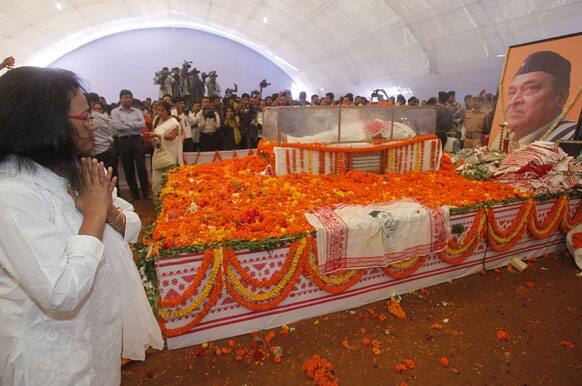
[{"x": 166, "y": 138}]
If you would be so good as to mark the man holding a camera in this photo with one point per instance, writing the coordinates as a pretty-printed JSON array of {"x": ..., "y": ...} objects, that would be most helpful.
[
  {"x": 248, "y": 122},
  {"x": 209, "y": 122}
]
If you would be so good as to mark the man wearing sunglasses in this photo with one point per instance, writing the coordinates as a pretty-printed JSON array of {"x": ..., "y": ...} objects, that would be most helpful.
[{"x": 127, "y": 123}]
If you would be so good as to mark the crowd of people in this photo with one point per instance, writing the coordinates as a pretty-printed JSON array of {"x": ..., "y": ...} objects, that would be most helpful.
[{"x": 165, "y": 128}]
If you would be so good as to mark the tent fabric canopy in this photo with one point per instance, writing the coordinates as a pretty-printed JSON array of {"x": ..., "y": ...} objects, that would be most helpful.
[{"x": 326, "y": 45}]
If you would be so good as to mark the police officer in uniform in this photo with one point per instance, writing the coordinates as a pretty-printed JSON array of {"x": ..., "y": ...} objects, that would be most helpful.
[{"x": 475, "y": 122}]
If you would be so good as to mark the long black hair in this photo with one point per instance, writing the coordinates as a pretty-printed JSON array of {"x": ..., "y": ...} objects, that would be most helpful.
[{"x": 34, "y": 123}]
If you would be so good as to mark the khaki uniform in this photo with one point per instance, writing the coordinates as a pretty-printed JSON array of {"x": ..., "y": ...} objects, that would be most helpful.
[{"x": 475, "y": 122}]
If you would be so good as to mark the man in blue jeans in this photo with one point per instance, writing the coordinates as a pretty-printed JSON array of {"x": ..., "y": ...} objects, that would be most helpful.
[{"x": 127, "y": 123}]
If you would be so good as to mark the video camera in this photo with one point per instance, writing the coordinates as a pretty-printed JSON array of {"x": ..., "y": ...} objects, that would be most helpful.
[
  {"x": 264, "y": 84},
  {"x": 208, "y": 113},
  {"x": 186, "y": 65}
]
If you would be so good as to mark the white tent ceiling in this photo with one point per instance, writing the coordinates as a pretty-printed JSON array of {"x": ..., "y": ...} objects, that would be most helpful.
[{"x": 336, "y": 45}]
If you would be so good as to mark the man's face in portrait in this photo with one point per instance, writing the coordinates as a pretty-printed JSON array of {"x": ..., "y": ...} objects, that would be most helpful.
[{"x": 533, "y": 102}]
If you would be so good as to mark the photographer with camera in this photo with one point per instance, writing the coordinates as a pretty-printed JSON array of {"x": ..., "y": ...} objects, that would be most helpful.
[
  {"x": 248, "y": 123},
  {"x": 165, "y": 81},
  {"x": 192, "y": 131},
  {"x": 209, "y": 122}
]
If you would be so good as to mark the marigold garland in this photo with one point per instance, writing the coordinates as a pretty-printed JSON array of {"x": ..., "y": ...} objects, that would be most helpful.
[
  {"x": 213, "y": 299},
  {"x": 468, "y": 244},
  {"x": 505, "y": 236},
  {"x": 328, "y": 283},
  {"x": 404, "y": 270},
  {"x": 207, "y": 259},
  {"x": 230, "y": 257},
  {"x": 283, "y": 283},
  {"x": 301, "y": 250},
  {"x": 496, "y": 246},
  {"x": 456, "y": 247},
  {"x": 165, "y": 313},
  {"x": 570, "y": 222},
  {"x": 551, "y": 223}
]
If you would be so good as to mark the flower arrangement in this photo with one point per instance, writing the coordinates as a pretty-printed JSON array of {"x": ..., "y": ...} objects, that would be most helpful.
[{"x": 231, "y": 201}]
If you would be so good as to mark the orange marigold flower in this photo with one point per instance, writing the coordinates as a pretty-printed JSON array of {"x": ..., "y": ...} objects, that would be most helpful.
[
  {"x": 400, "y": 367},
  {"x": 240, "y": 352},
  {"x": 269, "y": 337},
  {"x": 530, "y": 285},
  {"x": 346, "y": 344},
  {"x": 444, "y": 361},
  {"x": 395, "y": 309},
  {"x": 502, "y": 335},
  {"x": 410, "y": 364},
  {"x": 566, "y": 343}
]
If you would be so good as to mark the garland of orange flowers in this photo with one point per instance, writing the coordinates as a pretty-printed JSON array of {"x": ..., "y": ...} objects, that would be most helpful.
[
  {"x": 419, "y": 154},
  {"x": 391, "y": 160},
  {"x": 510, "y": 244},
  {"x": 294, "y": 156},
  {"x": 552, "y": 221},
  {"x": 468, "y": 244},
  {"x": 212, "y": 300},
  {"x": 287, "y": 161},
  {"x": 567, "y": 222},
  {"x": 207, "y": 259},
  {"x": 521, "y": 220},
  {"x": 216, "y": 157},
  {"x": 212, "y": 277},
  {"x": 302, "y": 160},
  {"x": 415, "y": 262},
  {"x": 230, "y": 257},
  {"x": 455, "y": 247},
  {"x": 328, "y": 283},
  {"x": 391, "y": 144},
  {"x": 310, "y": 162},
  {"x": 300, "y": 249},
  {"x": 433, "y": 152},
  {"x": 321, "y": 162}
]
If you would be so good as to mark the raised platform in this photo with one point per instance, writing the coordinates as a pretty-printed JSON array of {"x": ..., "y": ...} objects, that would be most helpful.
[{"x": 204, "y": 297}]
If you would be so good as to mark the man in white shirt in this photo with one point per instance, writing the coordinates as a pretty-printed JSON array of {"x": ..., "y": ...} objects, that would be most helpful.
[
  {"x": 209, "y": 122},
  {"x": 127, "y": 122},
  {"x": 192, "y": 130}
]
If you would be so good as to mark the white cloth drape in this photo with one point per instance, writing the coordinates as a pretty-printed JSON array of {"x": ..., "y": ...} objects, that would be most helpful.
[
  {"x": 376, "y": 235},
  {"x": 64, "y": 298}
]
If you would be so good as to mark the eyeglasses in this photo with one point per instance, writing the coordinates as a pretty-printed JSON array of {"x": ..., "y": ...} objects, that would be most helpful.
[{"x": 86, "y": 118}]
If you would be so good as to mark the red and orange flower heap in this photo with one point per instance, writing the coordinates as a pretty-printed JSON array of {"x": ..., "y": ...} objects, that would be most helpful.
[{"x": 232, "y": 200}]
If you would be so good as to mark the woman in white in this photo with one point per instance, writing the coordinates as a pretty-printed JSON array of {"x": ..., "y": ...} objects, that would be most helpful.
[
  {"x": 70, "y": 294},
  {"x": 166, "y": 138}
]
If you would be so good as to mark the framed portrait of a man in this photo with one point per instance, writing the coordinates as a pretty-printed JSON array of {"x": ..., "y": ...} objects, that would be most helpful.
[{"x": 539, "y": 92}]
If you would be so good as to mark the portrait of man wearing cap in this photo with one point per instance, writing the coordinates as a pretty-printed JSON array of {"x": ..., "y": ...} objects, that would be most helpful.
[{"x": 537, "y": 94}]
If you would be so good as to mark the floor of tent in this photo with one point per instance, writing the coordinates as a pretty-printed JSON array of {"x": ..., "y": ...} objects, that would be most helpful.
[{"x": 458, "y": 320}]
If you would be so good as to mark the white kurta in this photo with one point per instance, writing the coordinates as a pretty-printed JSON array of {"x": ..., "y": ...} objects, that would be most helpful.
[{"x": 61, "y": 294}]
